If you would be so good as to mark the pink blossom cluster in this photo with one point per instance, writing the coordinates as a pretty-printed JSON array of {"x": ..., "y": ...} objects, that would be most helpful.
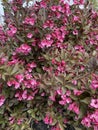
[
  {"x": 2, "y": 100},
  {"x": 24, "y": 48},
  {"x": 12, "y": 31},
  {"x": 60, "y": 66},
  {"x": 30, "y": 66},
  {"x": 46, "y": 43},
  {"x": 94, "y": 103},
  {"x": 48, "y": 119},
  {"x": 74, "y": 107},
  {"x": 51, "y": 43},
  {"x": 91, "y": 120},
  {"x": 25, "y": 95},
  {"x": 26, "y": 82},
  {"x": 12, "y": 120},
  {"x": 29, "y": 21},
  {"x": 65, "y": 98}
]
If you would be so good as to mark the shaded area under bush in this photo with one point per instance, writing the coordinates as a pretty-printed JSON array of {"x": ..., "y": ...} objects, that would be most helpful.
[{"x": 42, "y": 126}]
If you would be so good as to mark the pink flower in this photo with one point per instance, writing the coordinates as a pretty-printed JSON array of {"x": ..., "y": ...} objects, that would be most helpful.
[
  {"x": 79, "y": 48},
  {"x": 74, "y": 82},
  {"x": 12, "y": 31},
  {"x": 75, "y": 32},
  {"x": 94, "y": 117},
  {"x": 31, "y": 65},
  {"x": 12, "y": 120},
  {"x": 56, "y": 127},
  {"x": 13, "y": 62},
  {"x": 76, "y": 18},
  {"x": 54, "y": 8},
  {"x": 9, "y": 83},
  {"x": 15, "y": 8},
  {"x": 95, "y": 127},
  {"x": 86, "y": 122},
  {"x": 29, "y": 21},
  {"x": 43, "y": 4},
  {"x": 3, "y": 60},
  {"x": 62, "y": 102},
  {"x": 74, "y": 107},
  {"x": 48, "y": 36},
  {"x": 29, "y": 35},
  {"x": 59, "y": 91},
  {"x": 79, "y": 2},
  {"x": 33, "y": 82},
  {"x": 18, "y": 95},
  {"x": 30, "y": 97},
  {"x": 65, "y": 99},
  {"x": 28, "y": 76},
  {"x": 77, "y": 92},
  {"x": 82, "y": 68},
  {"x": 65, "y": 121},
  {"x": 19, "y": 77},
  {"x": 24, "y": 48},
  {"x": 52, "y": 96},
  {"x": 13, "y": 82},
  {"x": 61, "y": 66},
  {"x": 60, "y": 8},
  {"x": 19, "y": 121},
  {"x": 68, "y": 92},
  {"x": 24, "y": 94},
  {"x": 96, "y": 37},
  {"x": 48, "y": 24},
  {"x": 17, "y": 84},
  {"x": 47, "y": 69},
  {"x": 43, "y": 94},
  {"x": 94, "y": 103},
  {"x": 2, "y": 100},
  {"x": 82, "y": 1},
  {"x": 67, "y": 9},
  {"x": 48, "y": 119},
  {"x": 58, "y": 14},
  {"x": 46, "y": 43}
]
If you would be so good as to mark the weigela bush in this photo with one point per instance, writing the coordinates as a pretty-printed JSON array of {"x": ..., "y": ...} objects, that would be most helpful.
[{"x": 49, "y": 65}]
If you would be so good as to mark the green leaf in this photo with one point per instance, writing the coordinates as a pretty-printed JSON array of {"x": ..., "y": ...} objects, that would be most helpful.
[
  {"x": 74, "y": 97},
  {"x": 61, "y": 126},
  {"x": 15, "y": 69},
  {"x": 17, "y": 127},
  {"x": 95, "y": 4},
  {"x": 20, "y": 39},
  {"x": 2, "y": 110},
  {"x": 76, "y": 128},
  {"x": 32, "y": 113},
  {"x": 38, "y": 70},
  {"x": 70, "y": 87},
  {"x": 83, "y": 110},
  {"x": 84, "y": 95},
  {"x": 58, "y": 80},
  {"x": 4, "y": 76},
  {"x": 86, "y": 100}
]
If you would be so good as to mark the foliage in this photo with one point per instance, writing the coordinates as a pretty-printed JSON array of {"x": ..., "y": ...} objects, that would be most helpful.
[
  {"x": 95, "y": 4},
  {"x": 49, "y": 65}
]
